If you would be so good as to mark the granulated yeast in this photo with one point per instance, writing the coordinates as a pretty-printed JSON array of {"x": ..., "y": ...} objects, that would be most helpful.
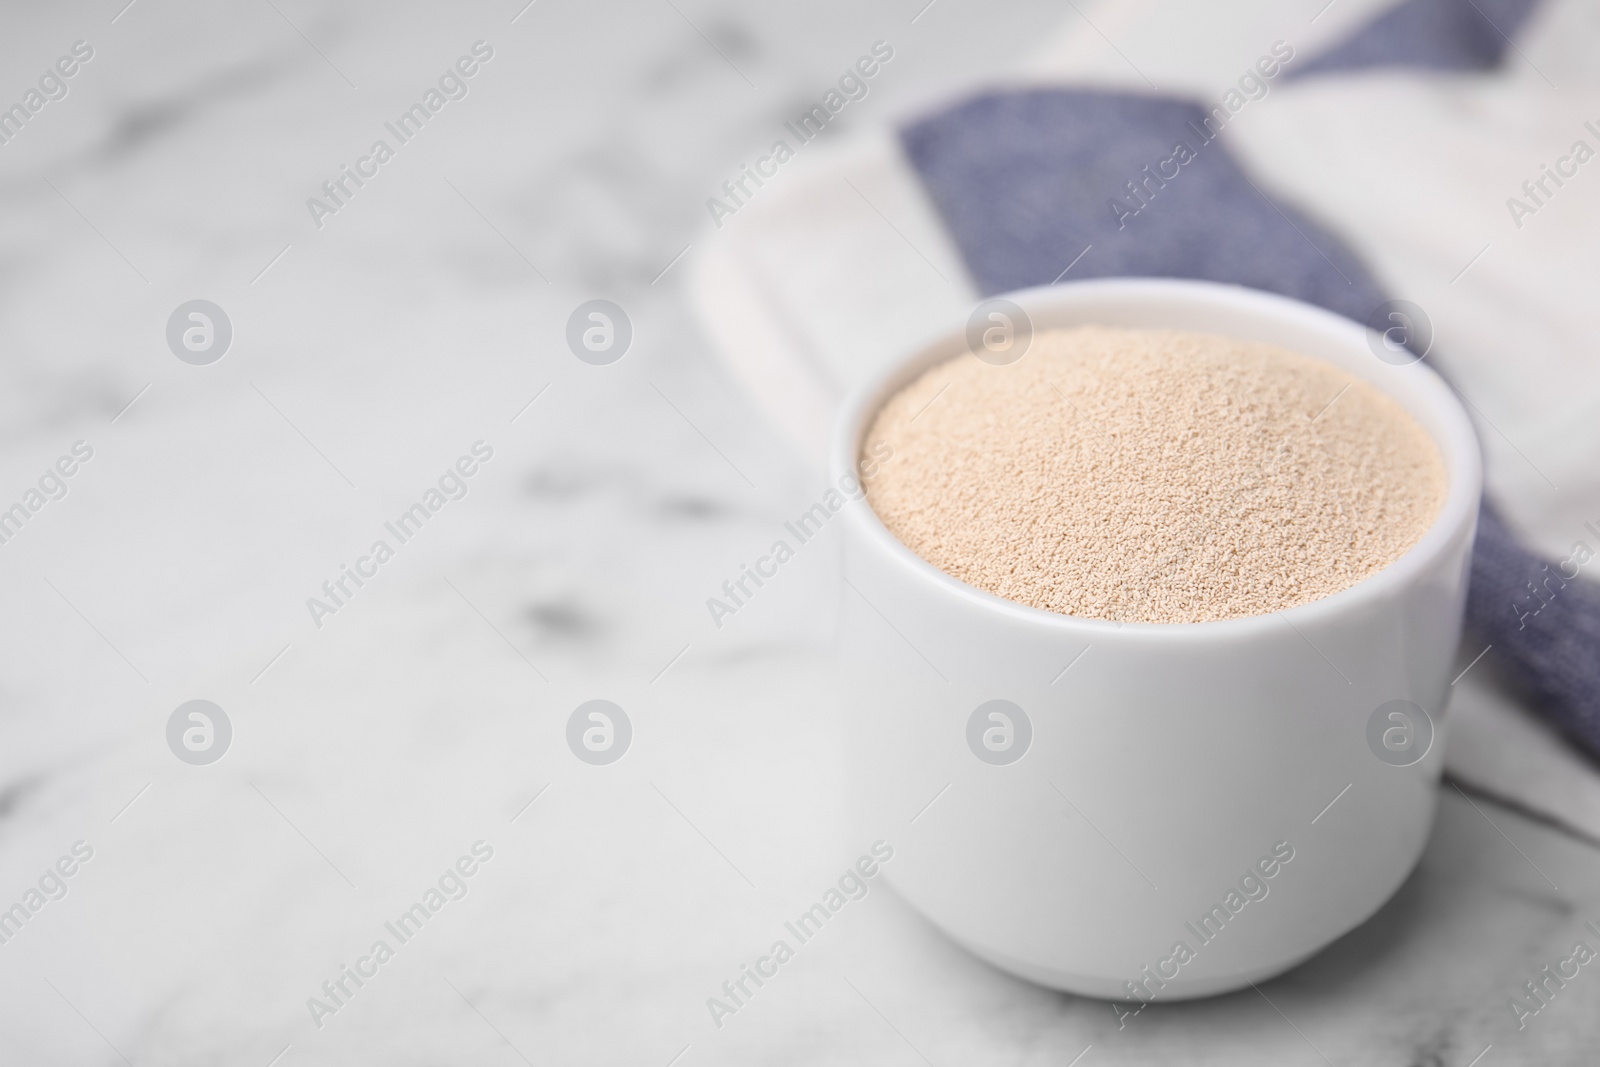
[{"x": 1154, "y": 475}]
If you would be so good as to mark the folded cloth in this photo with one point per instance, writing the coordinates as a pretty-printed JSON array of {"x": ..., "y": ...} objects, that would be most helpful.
[
  {"x": 1031, "y": 185},
  {"x": 1020, "y": 176},
  {"x": 1545, "y": 620}
]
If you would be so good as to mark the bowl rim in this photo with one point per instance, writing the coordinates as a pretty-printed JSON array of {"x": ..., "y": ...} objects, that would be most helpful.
[{"x": 1451, "y": 431}]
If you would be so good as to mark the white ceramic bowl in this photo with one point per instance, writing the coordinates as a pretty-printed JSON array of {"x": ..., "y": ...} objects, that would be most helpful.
[{"x": 1169, "y": 761}]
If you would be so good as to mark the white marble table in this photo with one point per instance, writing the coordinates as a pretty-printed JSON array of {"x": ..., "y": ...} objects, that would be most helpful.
[{"x": 369, "y": 754}]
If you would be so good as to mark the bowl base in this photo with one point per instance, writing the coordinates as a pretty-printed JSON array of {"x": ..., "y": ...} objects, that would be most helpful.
[{"x": 1176, "y": 989}]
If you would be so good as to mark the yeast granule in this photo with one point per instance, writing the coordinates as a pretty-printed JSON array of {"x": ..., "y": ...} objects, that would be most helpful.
[{"x": 1154, "y": 475}]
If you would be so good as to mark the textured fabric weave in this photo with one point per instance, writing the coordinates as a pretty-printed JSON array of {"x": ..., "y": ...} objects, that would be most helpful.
[{"x": 1430, "y": 34}]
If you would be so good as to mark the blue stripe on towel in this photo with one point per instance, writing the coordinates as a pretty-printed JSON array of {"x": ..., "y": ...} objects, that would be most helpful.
[
  {"x": 1429, "y": 34},
  {"x": 1025, "y": 181},
  {"x": 1543, "y": 626}
]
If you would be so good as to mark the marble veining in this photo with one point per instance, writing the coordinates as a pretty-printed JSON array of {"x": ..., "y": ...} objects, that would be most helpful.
[{"x": 371, "y": 752}]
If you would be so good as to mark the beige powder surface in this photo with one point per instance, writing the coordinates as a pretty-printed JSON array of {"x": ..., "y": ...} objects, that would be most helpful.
[{"x": 1154, "y": 475}]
